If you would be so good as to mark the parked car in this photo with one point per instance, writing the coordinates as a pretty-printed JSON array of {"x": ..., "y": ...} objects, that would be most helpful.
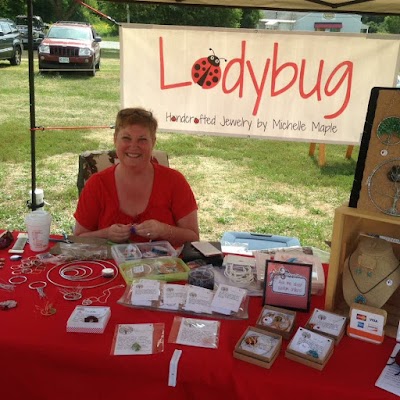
[
  {"x": 70, "y": 46},
  {"x": 38, "y": 29},
  {"x": 10, "y": 42}
]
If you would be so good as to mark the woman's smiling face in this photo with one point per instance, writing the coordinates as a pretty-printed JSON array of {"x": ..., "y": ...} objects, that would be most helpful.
[{"x": 134, "y": 145}]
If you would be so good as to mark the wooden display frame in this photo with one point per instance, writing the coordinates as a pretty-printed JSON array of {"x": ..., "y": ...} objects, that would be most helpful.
[
  {"x": 348, "y": 224},
  {"x": 253, "y": 358}
]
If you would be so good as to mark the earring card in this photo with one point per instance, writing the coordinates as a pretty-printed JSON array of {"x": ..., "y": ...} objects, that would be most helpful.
[{"x": 328, "y": 324}]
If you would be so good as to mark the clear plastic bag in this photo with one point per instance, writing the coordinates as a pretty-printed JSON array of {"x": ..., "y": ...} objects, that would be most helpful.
[
  {"x": 195, "y": 332},
  {"x": 83, "y": 251},
  {"x": 138, "y": 339}
]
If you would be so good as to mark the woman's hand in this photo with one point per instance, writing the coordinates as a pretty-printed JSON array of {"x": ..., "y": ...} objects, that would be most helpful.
[
  {"x": 151, "y": 229},
  {"x": 186, "y": 230},
  {"x": 119, "y": 233}
]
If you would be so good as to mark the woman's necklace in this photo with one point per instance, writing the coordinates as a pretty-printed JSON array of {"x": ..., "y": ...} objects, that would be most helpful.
[{"x": 361, "y": 298}]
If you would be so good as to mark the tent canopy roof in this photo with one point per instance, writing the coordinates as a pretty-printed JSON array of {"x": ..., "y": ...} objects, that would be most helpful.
[{"x": 338, "y": 6}]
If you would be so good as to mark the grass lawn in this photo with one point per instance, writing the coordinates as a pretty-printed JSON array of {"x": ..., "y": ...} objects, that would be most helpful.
[{"x": 241, "y": 184}]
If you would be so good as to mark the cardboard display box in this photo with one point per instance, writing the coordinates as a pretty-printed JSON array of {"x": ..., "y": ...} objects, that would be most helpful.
[
  {"x": 348, "y": 224},
  {"x": 258, "y": 347},
  {"x": 305, "y": 339},
  {"x": 267, "y": 321}
]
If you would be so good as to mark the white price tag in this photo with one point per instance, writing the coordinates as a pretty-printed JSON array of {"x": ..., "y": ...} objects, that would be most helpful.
[{"x": 227, "y": 299}]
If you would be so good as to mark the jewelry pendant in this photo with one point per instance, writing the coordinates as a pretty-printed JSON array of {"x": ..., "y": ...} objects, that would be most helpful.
[
  {"x": 251, "y": 340},
  {"x": 360, "y": 299},
  {"x": 313, "y": 353}
]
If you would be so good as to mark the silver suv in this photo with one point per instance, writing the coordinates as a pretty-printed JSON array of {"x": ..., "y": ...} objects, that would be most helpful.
[
  {"x": 38, "y": 29},
  {"x": 10, "y": 42}
]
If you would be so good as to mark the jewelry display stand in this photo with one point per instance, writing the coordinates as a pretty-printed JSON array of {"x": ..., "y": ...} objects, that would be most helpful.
[
  {"x": 348, "y": 224},
  {"x": 377, "y": 176},
  {"x": 374, "y": 205}
]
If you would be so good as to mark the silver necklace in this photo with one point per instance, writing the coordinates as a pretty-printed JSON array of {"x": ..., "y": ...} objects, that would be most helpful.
[
  {"x": 360, "y": 298},
  {"x": 102, "y": 299}
]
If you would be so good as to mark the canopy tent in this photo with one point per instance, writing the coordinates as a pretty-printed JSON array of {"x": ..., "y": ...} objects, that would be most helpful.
[{"x": 343, "y": 6}]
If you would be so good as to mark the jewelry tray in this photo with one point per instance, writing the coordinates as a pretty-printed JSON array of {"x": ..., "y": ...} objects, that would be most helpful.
[{"x": 167, "y": 269}]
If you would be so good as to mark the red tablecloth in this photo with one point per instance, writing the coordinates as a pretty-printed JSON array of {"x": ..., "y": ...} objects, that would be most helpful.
[{"x": 40, "y": 360}]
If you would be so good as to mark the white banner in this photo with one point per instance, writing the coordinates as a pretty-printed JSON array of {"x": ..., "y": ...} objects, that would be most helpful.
[{"x": 311, "y": 87}]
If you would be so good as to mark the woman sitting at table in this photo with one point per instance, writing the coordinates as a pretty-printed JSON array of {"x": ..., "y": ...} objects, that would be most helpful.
[{"x": 137, "y": 199}]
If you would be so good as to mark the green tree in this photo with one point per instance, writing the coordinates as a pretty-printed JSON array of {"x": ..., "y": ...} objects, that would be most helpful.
[
  {"x": 392, "y": 24},
  {"x": 10, "y": 9},
  {"x": 250, "y": 18},
  {"x": 61, "y": 10},
  {"x": 181, "y": 15}
]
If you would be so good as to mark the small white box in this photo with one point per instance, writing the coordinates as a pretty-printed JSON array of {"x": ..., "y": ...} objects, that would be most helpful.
[{"x": 88, "y": 319}]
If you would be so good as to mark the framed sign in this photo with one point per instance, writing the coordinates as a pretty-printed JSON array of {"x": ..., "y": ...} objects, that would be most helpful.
[{"x": 288, "y": 285}]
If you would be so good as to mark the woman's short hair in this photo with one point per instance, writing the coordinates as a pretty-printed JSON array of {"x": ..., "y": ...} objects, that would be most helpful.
[{"x": 136, "y": 116}]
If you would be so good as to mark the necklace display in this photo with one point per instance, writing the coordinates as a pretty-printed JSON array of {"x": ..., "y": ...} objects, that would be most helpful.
[
  {"x": 376, "y": 185},
  {"x": 383, "y": 181},
  {"x": 360, "y": 298}
]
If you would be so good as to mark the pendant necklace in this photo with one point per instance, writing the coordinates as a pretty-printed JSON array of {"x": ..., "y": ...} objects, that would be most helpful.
[{"x": 360, "y": 298}]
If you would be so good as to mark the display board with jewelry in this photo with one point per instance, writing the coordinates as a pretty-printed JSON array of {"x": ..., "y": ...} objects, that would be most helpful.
[
  {"x": 376, "y": 182},
  {"x": 371, "y": 273}
]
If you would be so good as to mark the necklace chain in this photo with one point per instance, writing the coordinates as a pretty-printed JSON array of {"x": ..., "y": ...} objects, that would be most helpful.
[
  {"x": 106, "y": 294},
  {"x": 373, "y": 287}
]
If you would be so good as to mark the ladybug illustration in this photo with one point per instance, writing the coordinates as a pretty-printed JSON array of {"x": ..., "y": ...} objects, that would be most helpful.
[{"x": 206, "y": 71}]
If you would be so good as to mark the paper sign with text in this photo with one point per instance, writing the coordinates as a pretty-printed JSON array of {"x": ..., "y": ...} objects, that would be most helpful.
[{"x": 295, "y": 86}]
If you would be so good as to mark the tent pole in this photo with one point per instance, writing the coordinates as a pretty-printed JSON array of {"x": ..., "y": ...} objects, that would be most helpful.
[{"x": 32, "y": 203}]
